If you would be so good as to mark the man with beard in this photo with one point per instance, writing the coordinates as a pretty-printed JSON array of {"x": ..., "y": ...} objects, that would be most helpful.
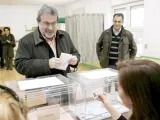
[{"x": 38, "y": 52}]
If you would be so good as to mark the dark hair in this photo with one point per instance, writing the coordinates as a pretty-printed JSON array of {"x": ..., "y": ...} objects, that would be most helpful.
[
  {"x": 140, "y": 80},
  {"x": 119, "y": 15},
  {"x": 6, "y": 28},
  {"x": 0, "y": 32},
  {"x": 46, "y": 9}
]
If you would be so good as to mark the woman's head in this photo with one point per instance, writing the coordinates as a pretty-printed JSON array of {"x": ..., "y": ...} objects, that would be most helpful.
[
  {"x": 139, "y": 87},
  {"x": 11, "y": 108}
]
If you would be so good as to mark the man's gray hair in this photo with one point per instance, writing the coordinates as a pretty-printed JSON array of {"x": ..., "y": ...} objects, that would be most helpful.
[{"x": 46, "y": 9}]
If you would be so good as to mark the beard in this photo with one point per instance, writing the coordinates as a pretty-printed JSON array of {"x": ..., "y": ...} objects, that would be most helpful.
[{"x": 50, "y": 34}]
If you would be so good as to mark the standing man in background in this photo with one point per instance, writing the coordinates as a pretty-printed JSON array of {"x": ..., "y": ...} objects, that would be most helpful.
[
  {"x": 8, "y": 42},
  {"x": 115, "y": 43},
  {"x": 38, "y": 52},
  {"x": 1, "y": 50}
]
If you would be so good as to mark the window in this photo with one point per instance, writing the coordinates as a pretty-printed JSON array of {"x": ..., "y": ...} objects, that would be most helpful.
[
  {"x": 137, "y": 16},
  {"x": 123, "y": 11}
]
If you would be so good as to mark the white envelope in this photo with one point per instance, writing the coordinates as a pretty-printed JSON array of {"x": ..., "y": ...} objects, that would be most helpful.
[{"x": 65, "y": 58}]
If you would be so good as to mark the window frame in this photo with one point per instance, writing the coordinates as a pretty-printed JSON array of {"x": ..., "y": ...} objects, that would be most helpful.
[
  {"x": 128, "y": 7},
  {"x": 136, "y": 6}
]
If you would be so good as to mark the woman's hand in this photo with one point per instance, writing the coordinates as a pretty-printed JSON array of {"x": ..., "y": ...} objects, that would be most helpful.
[{"x": 104, "y": 99}]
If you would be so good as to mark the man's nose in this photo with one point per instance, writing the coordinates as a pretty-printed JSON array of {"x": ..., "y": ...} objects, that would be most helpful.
[{"x": 50, "y": 27}]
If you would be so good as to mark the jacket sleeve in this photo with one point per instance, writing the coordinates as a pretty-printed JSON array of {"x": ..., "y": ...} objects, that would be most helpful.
[
  {"x": 13, "y": 41},
  {"x": 26, "y": 65},
  {"x": 74, "y": 51},
  {"x": 133, "y": 47},
  {"x": 4, "y": 41},
  {"x": 99, "y": 45}
]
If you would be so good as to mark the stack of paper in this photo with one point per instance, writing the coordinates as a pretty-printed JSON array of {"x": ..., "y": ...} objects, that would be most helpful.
[
  {"x": 99, "y": 74},
  {"x": 39, "y": 83}
]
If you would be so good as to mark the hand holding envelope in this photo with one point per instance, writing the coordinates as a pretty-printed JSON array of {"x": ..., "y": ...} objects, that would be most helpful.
[
  {"x": 67, "y": 59},
  {"x": 54, "y": 62},
  {"x": 73, "y": 60},
  {"x": 62, "y": 62}
]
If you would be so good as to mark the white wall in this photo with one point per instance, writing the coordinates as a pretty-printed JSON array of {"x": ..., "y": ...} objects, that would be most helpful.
[
  {"x": 118, "y": 2},
  {"x": 92, "y": 6},
  {"x": 16, "y": 17},
  {"x": 102, "y": 6},
  {"x": 151, "y": 28},
  {"x": 77, "y": 7}
]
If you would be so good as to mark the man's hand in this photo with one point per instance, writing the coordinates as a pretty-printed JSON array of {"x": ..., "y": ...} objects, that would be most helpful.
[
  {"x": 54, "y": 62},
  {"x": 8, "y": 41},
  {"x": 73, "y": 61}
]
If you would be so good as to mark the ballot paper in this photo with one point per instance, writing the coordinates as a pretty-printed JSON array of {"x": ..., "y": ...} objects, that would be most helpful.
[
  {"x": 99, "y": 74},
  {"x": 112, "y": 97},
  {"x": 97, "y": 92},
  {"x": 39, "y": 82},
  {"x": 64, "y": 58}
]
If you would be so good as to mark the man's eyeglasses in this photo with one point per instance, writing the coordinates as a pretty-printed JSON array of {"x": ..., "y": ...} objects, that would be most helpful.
[{"x": 47, "y": 24}]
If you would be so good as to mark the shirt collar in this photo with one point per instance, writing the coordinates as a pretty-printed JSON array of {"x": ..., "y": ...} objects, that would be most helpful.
[{"x": 117, "y": 32}]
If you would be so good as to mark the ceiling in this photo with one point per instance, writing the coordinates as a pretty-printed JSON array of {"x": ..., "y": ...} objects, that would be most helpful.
[{"x": 36, "y": 2}]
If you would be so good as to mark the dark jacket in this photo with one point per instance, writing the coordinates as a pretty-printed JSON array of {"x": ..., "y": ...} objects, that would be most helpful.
[
  {"x": 33, "y": 54},
  {"x": 1, "y": 47},
  {"x": 122, "y": 118},
  {"x": 127, "y": 46},
  {"x": 8, "y": 50}
]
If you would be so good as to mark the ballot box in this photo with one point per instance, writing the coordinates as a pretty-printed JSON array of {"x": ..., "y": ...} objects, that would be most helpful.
[
  {"x": 91, "y": 84},
  {"x": 47, "y": 97}
]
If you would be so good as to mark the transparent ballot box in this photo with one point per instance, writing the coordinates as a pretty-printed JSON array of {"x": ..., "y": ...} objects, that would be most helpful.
[
  {"x": 90, "y": 84},
  {"x": 47, "y": 98}
]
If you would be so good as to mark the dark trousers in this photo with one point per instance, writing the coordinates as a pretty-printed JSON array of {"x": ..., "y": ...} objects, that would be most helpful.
[
  {"x": 8, "y": 61},
  {"x": 2, "y": 62}
]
